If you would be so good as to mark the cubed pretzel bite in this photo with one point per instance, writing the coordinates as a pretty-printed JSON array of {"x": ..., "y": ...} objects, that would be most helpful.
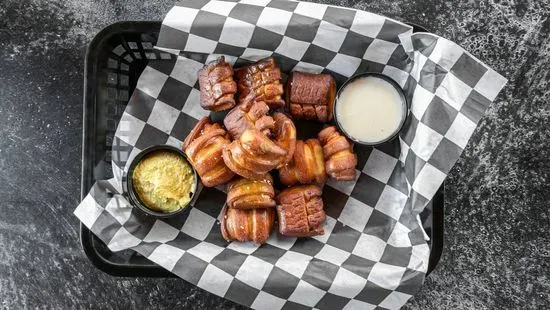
[
  {"x": 247, "y": 225},
  {"x": 300, "y": 211},
  {"x": 217, "y": 87},
  {"x": 307, "y": 165},
  {"x": 340, "y": 159},
  {"x": 204, "y": 146},
  {"x": 251, "y": 194},
  {"x": 263, "y": 79},
  {"x": 311, "y": 96}
]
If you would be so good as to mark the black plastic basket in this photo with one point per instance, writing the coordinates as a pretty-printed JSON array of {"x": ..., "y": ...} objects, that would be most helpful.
[{"x": 114, "y": 61}]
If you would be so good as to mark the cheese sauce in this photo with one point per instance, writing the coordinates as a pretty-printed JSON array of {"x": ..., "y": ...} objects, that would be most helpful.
[
  {"x": 369, "y": 109},
  {"x": 164, "y": 181}
]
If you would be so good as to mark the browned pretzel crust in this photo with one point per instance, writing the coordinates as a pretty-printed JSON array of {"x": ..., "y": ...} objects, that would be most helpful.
[
  {"x": 300, "y": 211},
  {"x": 253, "y": 155},
  {"x": 247, "y": 225},
  {"x": 217, "y": 88},
  {"x": 263, "y": 79},
  {"x": 307, "y": 165},
  {"x": 251, "y": 194},
  {"x": 204, "y": 147},
  {"x": 340, "y": 159},
  {"x": 311, "y": 96},
  {"x": 249, "y": 114}
]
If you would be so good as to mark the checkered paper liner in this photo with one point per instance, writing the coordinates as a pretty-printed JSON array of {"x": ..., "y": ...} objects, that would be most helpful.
[{"x": 373, "y": 253}]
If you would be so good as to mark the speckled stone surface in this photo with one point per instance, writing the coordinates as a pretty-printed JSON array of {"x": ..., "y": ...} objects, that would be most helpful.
[{"x": 497, "y": 222}]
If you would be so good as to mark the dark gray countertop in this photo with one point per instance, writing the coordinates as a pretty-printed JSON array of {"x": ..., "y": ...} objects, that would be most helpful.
[{"x": 497, "y": 225}]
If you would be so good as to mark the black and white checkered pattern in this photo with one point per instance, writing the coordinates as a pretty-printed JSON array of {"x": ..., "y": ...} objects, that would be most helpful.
[{"x": 373, "y": 253}]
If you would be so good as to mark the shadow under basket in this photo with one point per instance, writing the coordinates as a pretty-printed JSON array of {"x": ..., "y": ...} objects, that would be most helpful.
[{"x": 114, "y": 61}]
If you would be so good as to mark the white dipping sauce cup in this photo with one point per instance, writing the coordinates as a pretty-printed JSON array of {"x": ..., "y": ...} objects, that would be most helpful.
[{"x": 400, "y": 119}]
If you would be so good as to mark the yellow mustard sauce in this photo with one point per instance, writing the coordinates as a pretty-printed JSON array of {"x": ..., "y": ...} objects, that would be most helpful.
[{"x": 164, "y": 181}]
